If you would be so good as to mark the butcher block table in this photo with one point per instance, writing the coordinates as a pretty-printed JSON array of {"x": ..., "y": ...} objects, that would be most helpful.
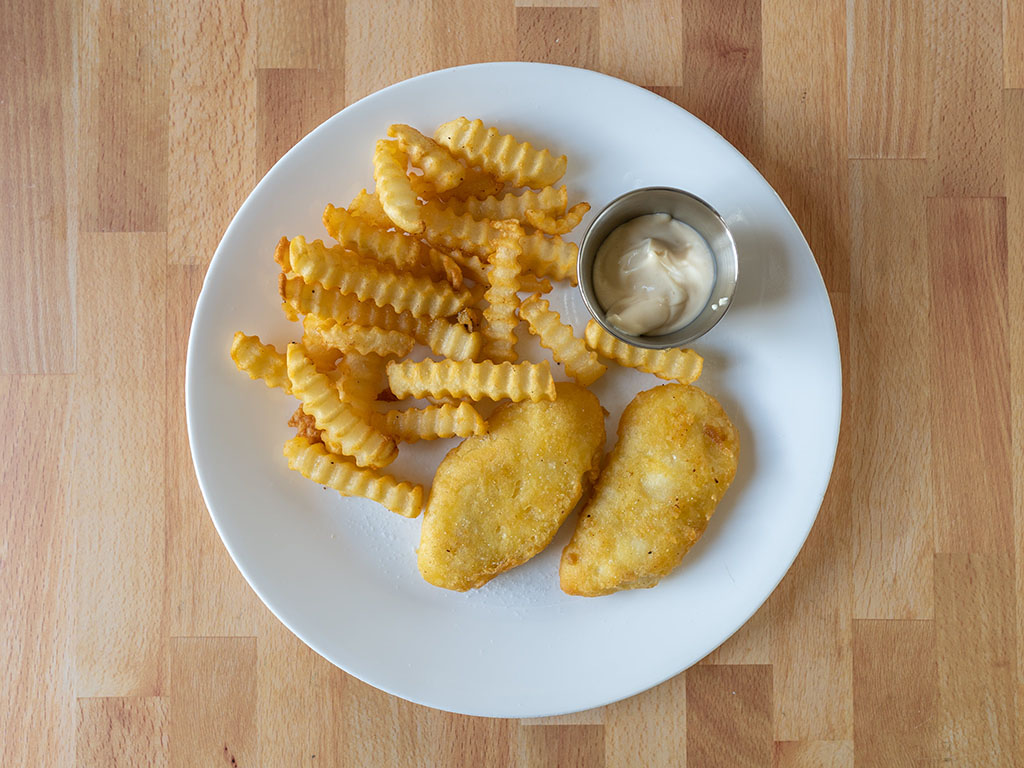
[{"x": 131, "y": 133}]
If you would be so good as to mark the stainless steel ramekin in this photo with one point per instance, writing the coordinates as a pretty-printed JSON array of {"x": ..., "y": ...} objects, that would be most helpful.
[{"x": 687, "y": 208}]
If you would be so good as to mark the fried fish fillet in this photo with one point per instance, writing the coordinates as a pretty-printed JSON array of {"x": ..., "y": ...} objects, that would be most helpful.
[
  {"x": 675, "y": 458},
  {"x": 499, "y": 498}
]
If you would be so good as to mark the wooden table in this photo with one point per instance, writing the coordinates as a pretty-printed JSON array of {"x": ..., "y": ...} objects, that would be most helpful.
[{"x": 132, "y": 132}]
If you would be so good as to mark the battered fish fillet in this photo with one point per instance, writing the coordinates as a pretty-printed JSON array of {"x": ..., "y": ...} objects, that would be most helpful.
[
  {"x": 498, "y": 499},
  {"x": 675, "y": 458}
]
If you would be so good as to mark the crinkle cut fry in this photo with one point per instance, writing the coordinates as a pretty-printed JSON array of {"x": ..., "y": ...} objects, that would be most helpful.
[
  {"x": 517, "y": 163},
  {"x": 431, "y": 423},
  {"x": 364, "y": 229},
  {"x": 393, "y": 187},
  {"x": 530, "y": 283},
  {"x": 314, "y": 299},
  {"x": 549, "y": 256},
  {"x": 544, "y": 256},
  {"x": 447, "y": 229},
  {"x": 500, "y": 320},
  {"x": 366, "y": 206},
  {"x": 281, "y": 253},
  {"x": 439, "y": 166},
  {"x": 364, "y": 238},
  {"x": 550, "y": 201},
  {"x": 449, "y": 339},
  {"x": 551, "y": 225},
  {"x": 682, "y": 365},
  {"x": 363, "y": 339},
  {"x": 312, "y": 460},
  {"x": 476, "y": 381},
  {"x": 343, "y": 431},
  {"x": 336, "y": 268},
  {"x": 443, "y": 337},
  {"x": 260, "y": 361},
  {"x": 477, "y": 184},
  {"x": 579, "y": 361}
]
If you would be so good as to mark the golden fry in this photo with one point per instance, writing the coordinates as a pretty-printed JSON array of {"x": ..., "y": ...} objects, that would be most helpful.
[
  {"x": 363, "y": 339},
  {"x": 675, "y": 458},
  {"x": 439, "y": 167},
  {"x": 313, "y": 299},
  {"x": 423, "y": 188},
  {"x": 397, "y": 249},
  {"x": 360, "y": 235},
  {"x": 449, "y": 340},
  {"x": 366, "y": 206},
  {"x": 314, "y": 462},
  {"x": 500, "y": 155},
  {"x": 683, "y": 365},
  {"x": 447, "y": 229},
  {"x": 343, "y": 431},
  {"x": 545, "y": 222},
  {"x": 476, "y": 381},
  {"x": 393, "y": 188},
  {"x": 260, "y": 361},
  {"x": 346, "y": 271},
  {"x": 579, "y": 362},
  {"x": 542, "y": 255},
  {"x": 444, "y": 338},
  {"x": 431, "y": 423},
  {"x": 548, "y": 201},
  {"x": 500, "y": 320},
  {"x": 281, "y": 254},
  {"x": 532, "y": 284},
  {"x": 550, "y": 256},
  {"x": 477, "y": 184}
]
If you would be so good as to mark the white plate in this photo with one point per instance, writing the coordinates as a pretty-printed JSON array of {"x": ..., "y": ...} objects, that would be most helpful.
[{"x": 341, "y": 573}]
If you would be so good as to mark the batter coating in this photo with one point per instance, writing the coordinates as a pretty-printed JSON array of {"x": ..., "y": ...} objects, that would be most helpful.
[
  {"x": 675, "y": 458},
  {"x": 498, "y": 499}
]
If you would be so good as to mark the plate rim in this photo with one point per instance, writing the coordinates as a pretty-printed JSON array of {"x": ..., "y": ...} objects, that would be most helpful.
[{"x": 216, "y": 261}]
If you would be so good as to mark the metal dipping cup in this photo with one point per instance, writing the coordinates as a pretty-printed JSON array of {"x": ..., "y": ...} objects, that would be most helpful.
[{"x": 688, "y": 209}]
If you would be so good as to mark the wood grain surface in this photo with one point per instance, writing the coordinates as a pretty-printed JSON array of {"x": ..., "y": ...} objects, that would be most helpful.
[{"x": 894, "y": 131}]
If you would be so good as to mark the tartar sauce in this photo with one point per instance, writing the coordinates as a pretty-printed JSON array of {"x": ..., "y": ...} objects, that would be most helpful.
[{"x": 653, "y": 275}]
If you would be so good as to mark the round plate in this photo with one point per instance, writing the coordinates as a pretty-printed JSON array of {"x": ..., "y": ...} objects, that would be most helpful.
[{"x": 341, "y": 573}]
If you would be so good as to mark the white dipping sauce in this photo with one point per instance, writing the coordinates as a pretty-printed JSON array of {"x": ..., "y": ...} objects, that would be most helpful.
[{"x": 653, "y": 275}]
